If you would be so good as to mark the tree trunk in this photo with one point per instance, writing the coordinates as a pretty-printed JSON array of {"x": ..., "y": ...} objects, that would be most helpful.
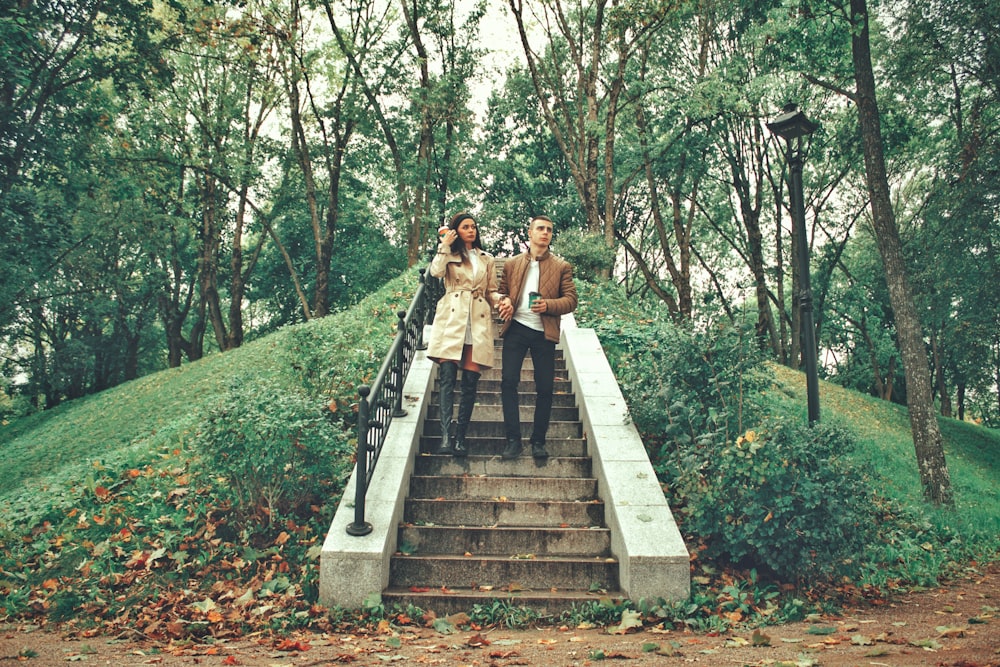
[
  {"x": 940, "y": 387},
  {"x": 934, "y": 474},
  {"x": 960, "y": 390},
  {"x": 208, "y": 268}
]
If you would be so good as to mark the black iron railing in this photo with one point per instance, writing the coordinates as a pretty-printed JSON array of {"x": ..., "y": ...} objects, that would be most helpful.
[{"x": 383, "y": 400}]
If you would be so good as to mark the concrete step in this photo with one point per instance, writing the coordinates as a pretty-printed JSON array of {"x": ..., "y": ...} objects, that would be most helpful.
[
  {"x": 490, "y": 396},
  {"x": 495, "y": 429},
  {"x": 491, "y": 384},
  {"x": 493, "y": 466},
  {"x": 504, "y": 541},
  {"x": 453, "y": 599},
  {"x": 494, "y": 413},
  {"x": 527, "y": 375},
  {"x": 518, "y": 571},
  {"x": 503, "y": 488},
  {"x": 493, "y": 446},
  {"x": 490, "y": 513}
]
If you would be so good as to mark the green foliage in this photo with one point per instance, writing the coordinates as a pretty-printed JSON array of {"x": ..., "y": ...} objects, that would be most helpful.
[
  {"x": 588, "y": 253},
  {"x": 787, "y": 497},
  {"x": 133, "y": 489},
  {"x": 504, "y": 614},
  {"x": 751, "y": 483},
  {"x": 273, "y": 446},
  {"x": 685, "y": 386}
]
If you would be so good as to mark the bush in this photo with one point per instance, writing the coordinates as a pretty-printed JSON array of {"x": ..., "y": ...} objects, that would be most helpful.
[
  {"x": 685, "y": 386},
  {"x": 784, "y": 497},
  {"x": 273, "y": 447}
]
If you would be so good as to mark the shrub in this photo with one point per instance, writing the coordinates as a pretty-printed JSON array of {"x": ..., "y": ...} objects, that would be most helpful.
[
  {"x": 785, "y": 497},
  {"x": 273, "y": 446},
  {"x": 685, "y": 386},
  {"x": 782, "y": 497}
]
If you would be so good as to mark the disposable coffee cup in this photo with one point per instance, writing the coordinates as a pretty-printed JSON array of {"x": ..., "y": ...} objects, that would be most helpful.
[{"x": 532, "y": 298}]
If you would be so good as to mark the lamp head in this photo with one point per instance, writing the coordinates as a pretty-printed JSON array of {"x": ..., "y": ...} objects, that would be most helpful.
[{"x": 792, "y": 124}]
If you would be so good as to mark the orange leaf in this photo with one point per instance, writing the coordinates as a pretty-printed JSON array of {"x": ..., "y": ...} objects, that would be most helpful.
[
  {"x": 102, "y": 493},
  {"x": 292, "y": 645},
  {"x": 50, "y": 584},
  {"x": 419, "y": 589},
  {"x": 230, "y": 660},
  {"x": 281, "y": 538}
]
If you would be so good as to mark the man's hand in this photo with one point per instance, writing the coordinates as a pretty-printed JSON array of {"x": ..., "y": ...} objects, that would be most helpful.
[{"x": 505, "y": 308}]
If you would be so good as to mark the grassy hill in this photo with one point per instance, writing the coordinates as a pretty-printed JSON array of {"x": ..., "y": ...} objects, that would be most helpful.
[{"x": 118, "y": 488}]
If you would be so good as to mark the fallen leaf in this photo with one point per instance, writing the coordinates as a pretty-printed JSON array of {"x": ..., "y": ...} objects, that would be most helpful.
[
  {"x": 950, "y": 631},
  {"x": 477, "y": 640},
  {"x": 292, "y": 645},
  {"x": 926, "y": 644}
]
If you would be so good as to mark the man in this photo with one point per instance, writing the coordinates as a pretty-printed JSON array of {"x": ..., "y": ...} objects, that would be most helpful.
[{"x": 538, "y": 289}]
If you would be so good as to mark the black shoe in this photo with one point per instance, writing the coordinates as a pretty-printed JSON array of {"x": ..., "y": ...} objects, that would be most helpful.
[
  {"x": 513, "y": 450},
  {"x": 538, "y": 450},
  {"x": 459, "y": 448},
  {"x": 445, "y": 447}
]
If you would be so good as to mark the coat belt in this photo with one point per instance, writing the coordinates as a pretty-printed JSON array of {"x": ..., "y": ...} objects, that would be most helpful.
[{"x": 476, "y": 293}]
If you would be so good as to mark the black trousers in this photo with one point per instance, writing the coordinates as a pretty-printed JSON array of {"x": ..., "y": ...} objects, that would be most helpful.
[{"x": 517, "y": 343}]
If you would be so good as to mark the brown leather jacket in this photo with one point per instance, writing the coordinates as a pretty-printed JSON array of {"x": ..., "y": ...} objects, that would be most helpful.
[{"x": 555, "y": 284}]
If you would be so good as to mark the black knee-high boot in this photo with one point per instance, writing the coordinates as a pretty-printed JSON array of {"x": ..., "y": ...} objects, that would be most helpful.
[
  {"x": 470, "y": 383},
  {"x": 447, "y": 374}
]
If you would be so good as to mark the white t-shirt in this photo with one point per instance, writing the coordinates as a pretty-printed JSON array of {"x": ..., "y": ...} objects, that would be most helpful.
[{"x": 523, "y": 313}]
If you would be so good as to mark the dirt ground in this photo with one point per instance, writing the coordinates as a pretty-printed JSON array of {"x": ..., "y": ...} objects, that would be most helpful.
[{"x": 954, "y": 626}]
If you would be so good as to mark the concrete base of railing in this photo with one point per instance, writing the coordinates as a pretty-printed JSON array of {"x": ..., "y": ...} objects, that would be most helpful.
[
  {"x": 353, "y": 568},
  {"x": 653, "y": 560}
]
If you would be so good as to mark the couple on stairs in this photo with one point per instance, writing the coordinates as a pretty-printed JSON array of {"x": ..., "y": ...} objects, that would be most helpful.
[{"x": 536, "y": 289}]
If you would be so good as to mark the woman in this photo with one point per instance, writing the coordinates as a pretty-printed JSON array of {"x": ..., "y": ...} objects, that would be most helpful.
[{"x": 462, "y": 334}]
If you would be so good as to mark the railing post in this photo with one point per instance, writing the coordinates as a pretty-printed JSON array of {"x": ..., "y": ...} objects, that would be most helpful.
[
  {"x": 422, "y": 309},
  {"x": 398, "y": 410},
  {"x": 360, "y": 527}
]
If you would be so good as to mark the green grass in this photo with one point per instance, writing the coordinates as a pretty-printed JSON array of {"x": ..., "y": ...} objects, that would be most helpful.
[
  {"x": 972, "y": 453},
  {"x": 48, "y": 455}
]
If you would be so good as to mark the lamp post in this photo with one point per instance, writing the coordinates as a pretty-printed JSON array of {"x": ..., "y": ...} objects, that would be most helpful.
[{"x": 791, "y": 126}]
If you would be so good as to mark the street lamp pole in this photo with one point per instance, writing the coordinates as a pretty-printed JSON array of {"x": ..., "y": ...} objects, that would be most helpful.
[{"x": 791, "y": 126}]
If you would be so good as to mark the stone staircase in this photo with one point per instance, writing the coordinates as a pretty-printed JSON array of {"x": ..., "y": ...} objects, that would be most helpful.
[{"x": 480, "y": 529}]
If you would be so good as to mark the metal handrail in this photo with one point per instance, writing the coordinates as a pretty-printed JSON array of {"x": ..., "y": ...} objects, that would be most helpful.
[{"x": 383, "y": 400}]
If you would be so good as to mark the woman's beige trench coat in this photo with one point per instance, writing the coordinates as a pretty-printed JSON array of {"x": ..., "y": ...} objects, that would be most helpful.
[{"x": 468, "y": 301}]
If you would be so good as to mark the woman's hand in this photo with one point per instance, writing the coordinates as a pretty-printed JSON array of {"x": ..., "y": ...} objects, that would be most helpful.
[{"x": 449, "y": 237}]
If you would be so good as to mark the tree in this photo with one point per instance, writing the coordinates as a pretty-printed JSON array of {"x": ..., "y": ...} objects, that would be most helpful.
[
  {"x": 420, "y": 140},
  {"x": 927, "y": 443},
  {"x": 579, "y": 79}
]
